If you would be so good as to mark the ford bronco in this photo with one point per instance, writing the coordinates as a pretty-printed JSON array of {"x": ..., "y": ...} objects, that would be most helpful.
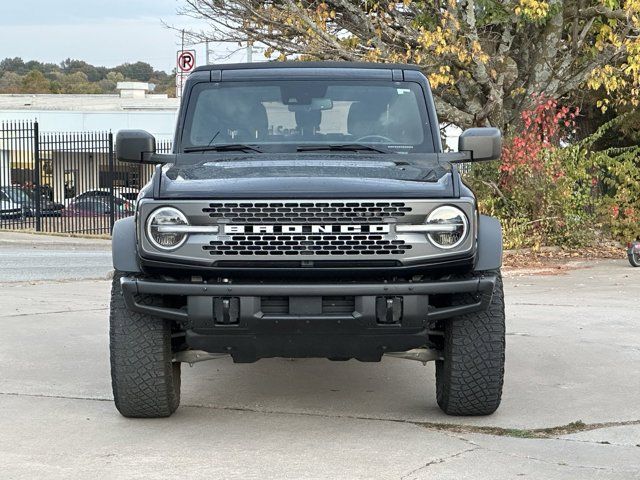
[{"x": 307, "y": 210}]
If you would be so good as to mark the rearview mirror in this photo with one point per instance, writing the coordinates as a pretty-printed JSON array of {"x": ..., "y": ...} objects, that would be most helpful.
[
  {"x": 482, "y": 143},
  {"x": 135, "y": 146},
  {"x": 315, "y": 105}
]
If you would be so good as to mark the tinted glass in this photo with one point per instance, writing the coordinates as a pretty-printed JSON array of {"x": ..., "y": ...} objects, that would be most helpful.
[
  {"x": 92, "y": 206},
  {"x": 17, "y": 194},
  {"x": 389, "y": 115}
]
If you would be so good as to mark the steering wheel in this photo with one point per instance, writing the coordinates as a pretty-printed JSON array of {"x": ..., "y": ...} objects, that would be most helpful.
[{"x": 374, "y": 137}]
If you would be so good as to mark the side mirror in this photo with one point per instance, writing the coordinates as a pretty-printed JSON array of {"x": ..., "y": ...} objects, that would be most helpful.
[
  {"x": 483, "y": 143},
  {"x": 135, "y": 146}
]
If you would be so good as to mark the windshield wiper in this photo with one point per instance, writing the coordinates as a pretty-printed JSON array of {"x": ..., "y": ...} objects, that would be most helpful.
[
  {"x": 340, "y": 147},
  {"x": 227, "y": 147}
]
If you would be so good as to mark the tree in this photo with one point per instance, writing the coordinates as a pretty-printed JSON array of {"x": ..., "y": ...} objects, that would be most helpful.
[
  {"x": 77, "y": 83},
  {"x": 139, "y": 71},
  {"x": 75, "y": 76},
  {"x": 486, "y": 59},
  {"x": 70, "y": 66},
  {"x": 109, "y": 84},
  {"x": 10, "y": 82},
  {"x": 35, "y": 82},
  {"x": 14, "y": 65}
]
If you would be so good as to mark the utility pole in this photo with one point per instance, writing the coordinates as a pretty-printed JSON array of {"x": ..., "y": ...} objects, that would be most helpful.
[{"x": 249, "y": 53}]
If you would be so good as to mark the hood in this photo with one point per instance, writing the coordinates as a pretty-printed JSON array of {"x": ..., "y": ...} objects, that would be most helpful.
[{"x": 307, "y": 176}]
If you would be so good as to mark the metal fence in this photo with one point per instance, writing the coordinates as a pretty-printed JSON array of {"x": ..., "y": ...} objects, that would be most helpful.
[{"x": 65, "y": 182}]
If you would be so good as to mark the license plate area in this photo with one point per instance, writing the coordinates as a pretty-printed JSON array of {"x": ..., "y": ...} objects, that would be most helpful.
[
  {"x": 306, "y": 313},
  {"x": 307, "y": 306}
]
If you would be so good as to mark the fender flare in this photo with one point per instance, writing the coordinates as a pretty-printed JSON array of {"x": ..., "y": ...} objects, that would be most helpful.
[
  {"x": 489, "y": 255},
  {"x": 124, "y": 249}
]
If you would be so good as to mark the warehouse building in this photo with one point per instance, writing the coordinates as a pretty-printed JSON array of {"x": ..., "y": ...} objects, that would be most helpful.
[{"x": 135, "y": 106}]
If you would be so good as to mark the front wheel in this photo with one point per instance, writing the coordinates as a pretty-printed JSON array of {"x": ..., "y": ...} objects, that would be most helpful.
[
  {"x": 634, "y": 255},
  {"x": 469, "y": 379},
  {"x": 145, "y": 380}
]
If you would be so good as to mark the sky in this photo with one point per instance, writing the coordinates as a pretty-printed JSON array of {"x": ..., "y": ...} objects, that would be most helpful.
[{"x": 100, "y": 32}]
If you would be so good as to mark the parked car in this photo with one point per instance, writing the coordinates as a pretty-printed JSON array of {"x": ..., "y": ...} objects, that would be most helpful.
[
  {"x": 8, "y": 209},
  {"x": 633, "y": 252},
  {"x": 92, "y": 206},
  {"x": 120, "y": 195},
  {"x": 27, "y": 200},
  {"x": 130, "y": 194},
  {"x": 350, "y": 236}
]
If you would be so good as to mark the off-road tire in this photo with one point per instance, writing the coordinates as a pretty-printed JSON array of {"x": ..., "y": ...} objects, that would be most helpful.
[
  {"x": 145, "y": 382},
  {"x": 469, "y": 379}
]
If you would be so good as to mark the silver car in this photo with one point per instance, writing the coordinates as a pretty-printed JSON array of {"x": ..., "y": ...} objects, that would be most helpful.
[{"x": 9, "y": 209}]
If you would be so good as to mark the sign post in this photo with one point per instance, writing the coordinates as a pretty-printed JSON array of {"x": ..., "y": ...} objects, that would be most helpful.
[{"x": 185, "y": 63}]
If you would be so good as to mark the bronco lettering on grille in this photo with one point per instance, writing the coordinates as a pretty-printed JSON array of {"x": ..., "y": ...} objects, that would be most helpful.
[{"x": 317, "y": 229}]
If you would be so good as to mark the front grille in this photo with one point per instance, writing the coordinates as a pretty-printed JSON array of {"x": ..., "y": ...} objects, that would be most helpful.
[
  {"x": 317, "y": 245},
  {"x": 313, "y": 233},
  {"x": 301, "y": 212}
]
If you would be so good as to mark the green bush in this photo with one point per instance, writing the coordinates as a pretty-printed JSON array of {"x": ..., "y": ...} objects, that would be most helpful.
[{"x": 549, "y": 191}]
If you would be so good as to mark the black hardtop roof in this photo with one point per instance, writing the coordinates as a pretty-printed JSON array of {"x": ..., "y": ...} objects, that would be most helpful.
[{"x": 300, "y": 64}]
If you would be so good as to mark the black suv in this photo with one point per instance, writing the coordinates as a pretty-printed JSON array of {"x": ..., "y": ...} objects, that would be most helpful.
[{"x": 308, "y": 210}]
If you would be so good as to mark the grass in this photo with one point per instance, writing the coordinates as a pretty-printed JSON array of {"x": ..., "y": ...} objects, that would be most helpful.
[{"x": 550, "y": 432}]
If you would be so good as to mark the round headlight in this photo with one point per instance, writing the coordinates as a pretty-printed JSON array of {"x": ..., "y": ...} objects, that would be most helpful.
[
  {"x": 159, "y": 229},
  {"x": 453, "y": 225}
]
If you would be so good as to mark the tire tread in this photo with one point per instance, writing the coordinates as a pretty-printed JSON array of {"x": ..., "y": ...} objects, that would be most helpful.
[
  {"x": 145, "y": 381},
  {"x": 469, "y": 380}
]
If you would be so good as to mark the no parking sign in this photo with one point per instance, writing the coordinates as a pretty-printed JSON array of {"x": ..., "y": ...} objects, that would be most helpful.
[{"x": 185, "y": 63}]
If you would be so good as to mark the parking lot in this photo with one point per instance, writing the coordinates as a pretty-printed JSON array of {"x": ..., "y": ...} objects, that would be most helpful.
[{"x": 570, "y": 406}]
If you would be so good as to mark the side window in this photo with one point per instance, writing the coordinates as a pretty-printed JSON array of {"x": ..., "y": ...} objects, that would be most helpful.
[
  {"x": 101, "y": 207},
  {"x": 95, "y": 206},
  {"x": 82, "y": 204}
]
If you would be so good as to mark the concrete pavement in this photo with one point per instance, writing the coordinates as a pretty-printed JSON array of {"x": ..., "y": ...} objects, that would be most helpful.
[
  {"x": 573, "y": 355},
  {"x": 26, "y": 257}
]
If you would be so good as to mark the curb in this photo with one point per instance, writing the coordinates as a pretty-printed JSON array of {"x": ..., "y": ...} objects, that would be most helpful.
[{"x": 8, "y": 237}]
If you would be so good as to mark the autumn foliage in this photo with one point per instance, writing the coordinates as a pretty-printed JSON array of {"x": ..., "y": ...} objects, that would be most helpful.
[
  {"x": 550, "y": 189},
  {"x": 486, "y": 60},
  {"x": 544, "y": 128}
]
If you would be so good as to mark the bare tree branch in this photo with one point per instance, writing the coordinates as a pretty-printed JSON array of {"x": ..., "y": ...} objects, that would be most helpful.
[{"x": 486, "y": 62}]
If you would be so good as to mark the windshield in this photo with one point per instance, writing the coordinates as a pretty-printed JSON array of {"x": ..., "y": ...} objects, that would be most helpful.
[
  {"x": 290, "y": 116},
  {"x": 17, "y": 194}
]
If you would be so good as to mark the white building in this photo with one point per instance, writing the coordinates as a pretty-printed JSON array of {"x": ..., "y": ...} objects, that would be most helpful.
[
  {"x": 71, "y": 168},
  {"x": 133, "y": 108}
]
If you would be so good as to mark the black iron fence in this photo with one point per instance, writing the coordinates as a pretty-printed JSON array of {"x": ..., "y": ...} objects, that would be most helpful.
[{"x": 65, "y": 182}]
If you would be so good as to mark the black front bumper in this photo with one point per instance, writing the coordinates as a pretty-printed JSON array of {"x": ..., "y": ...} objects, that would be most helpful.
[{"x": 229, "y": 318}]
